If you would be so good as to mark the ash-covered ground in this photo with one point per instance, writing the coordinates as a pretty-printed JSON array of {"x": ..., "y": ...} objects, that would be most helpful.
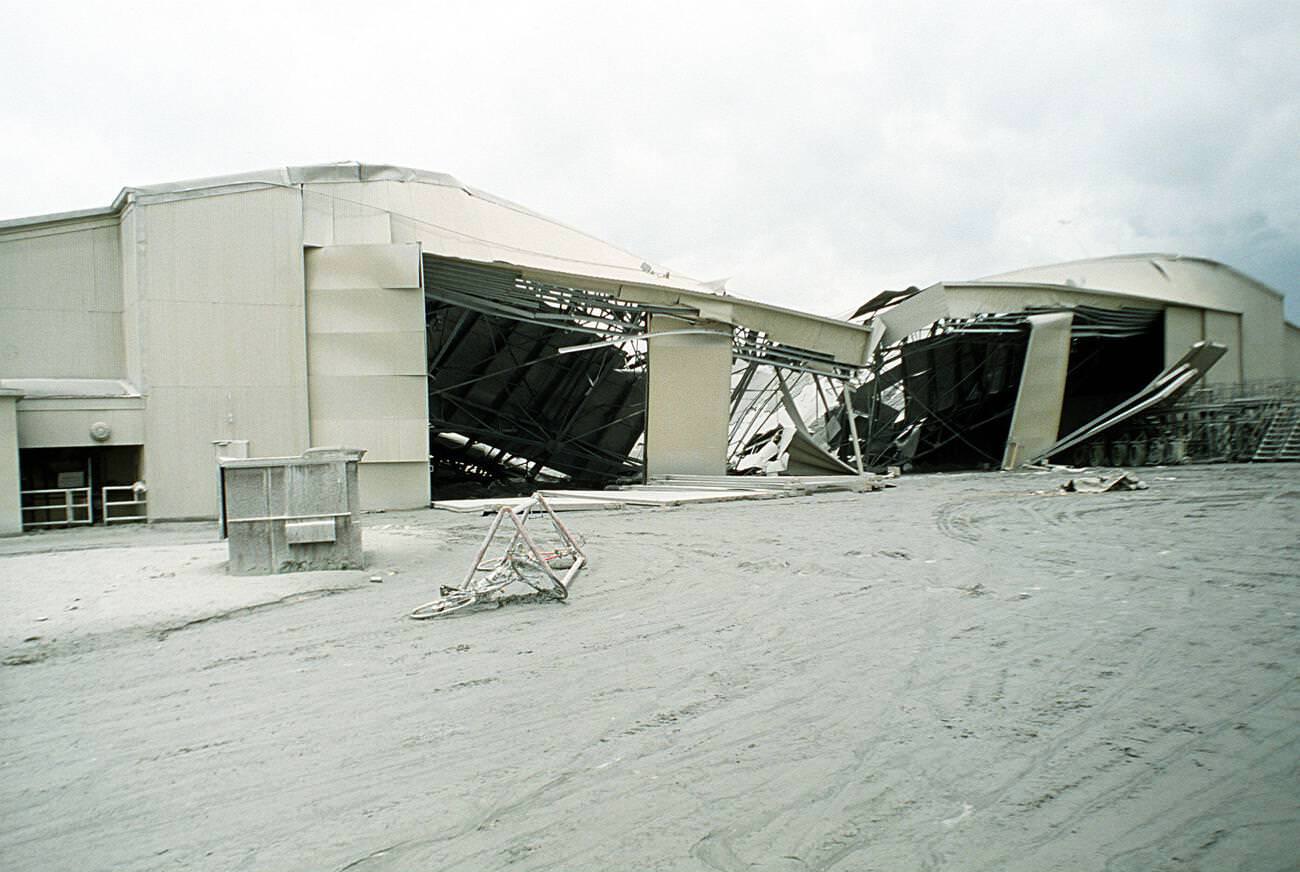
[{"x": 963, "y": 672}]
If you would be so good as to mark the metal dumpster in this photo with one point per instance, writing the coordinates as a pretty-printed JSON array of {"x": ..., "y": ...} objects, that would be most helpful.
[{"x": 292, "y": 514}]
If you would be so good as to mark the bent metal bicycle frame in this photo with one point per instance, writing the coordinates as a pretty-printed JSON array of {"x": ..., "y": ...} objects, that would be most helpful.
[{"x": 522, "y": 561}]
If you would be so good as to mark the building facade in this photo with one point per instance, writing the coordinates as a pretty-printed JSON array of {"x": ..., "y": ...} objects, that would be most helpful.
[{"x": 265, "y": 313}]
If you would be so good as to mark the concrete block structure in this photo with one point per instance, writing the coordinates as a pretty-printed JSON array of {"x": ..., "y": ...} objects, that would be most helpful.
[{"x": 292, "y": 514}]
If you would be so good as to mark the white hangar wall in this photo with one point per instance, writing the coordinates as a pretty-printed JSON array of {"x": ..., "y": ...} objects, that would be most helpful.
[
  {"x": 1203, "y": 299},
  {"x": 62, "y": 297},
  {"x": 213, "y": 303}
]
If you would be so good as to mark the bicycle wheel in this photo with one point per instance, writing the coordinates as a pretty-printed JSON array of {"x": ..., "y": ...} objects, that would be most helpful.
[{"x": 445, "y": 606}]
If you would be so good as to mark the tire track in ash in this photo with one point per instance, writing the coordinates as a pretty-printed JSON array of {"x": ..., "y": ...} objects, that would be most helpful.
[
  {"x": 1127, "y": 776},
  {"x": 663, "y": 728}
]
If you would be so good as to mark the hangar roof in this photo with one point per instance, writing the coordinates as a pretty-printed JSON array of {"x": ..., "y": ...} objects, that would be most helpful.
[
  {"x": 1167, "y": 277},
  {"x": 456, "y": 221}
]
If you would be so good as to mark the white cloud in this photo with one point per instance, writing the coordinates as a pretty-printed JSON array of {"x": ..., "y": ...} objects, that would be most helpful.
[{"x": 817, "y": 153}]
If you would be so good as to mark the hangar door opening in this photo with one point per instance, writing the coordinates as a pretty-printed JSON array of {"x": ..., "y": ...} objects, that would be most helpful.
[
  {"x": 508, "y": 406},
  {"x": 504, "y": 403},
  {"x": 944, "y": 398}
]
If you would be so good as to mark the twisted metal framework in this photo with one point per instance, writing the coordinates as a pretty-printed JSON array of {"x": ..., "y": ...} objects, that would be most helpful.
[
  {"x": 526, "y": 560},
  {"x": 503, "y": 400},
  {"x": 947, "y": 391}
]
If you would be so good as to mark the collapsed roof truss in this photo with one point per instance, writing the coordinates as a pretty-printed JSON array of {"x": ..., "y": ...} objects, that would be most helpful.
[{"x": 497, "y": 375}]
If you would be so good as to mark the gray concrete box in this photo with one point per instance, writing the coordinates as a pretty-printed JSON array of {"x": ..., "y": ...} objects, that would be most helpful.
[{"x": 292, "y": 514}]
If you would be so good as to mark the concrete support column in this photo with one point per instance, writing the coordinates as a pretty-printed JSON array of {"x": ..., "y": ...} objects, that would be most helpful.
[
  {"x": 1037, "y": 417},
  {"x": 11, "y": 516},
  {"x": 689, "y": 398}
]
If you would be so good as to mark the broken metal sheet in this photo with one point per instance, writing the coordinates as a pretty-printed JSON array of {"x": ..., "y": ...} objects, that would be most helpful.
[
  {"x": 809, "y": 458},
  {"x": 1096, "y": 484},
  {"x": 915, "y": 313},
  {"x": 676, "y": 490},
  {"x": 1167, "y": 386},
  {"x": 492, "y": 504},
  {"x": 595, "y": 500},
  {"x": 1036, "y": 418},
  {"x": 786, "y": 483},
  {"x": 883, "y": 299},
  {"x": 652, "y": 496},
  {"x": 688, "y": 396}
]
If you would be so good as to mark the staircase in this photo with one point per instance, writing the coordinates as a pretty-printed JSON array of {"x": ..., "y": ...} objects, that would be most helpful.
[{"x": 1281, "y": 440}]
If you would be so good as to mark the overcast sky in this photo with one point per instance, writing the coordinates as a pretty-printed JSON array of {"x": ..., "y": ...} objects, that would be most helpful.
[{"x": 816, "y": 153}]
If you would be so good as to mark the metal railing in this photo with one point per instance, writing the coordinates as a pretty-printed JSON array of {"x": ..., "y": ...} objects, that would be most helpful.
[
  {"x": 137, "y": 500},
  {"x": 1281, "y": 390},
  {"x": 61, "y": 500}
]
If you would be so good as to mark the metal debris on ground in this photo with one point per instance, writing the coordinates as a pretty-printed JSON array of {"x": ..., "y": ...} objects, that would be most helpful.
[
  {"x": 679, "y": 490},
  {"x": 528, "y": 560},
  {"x": 1096, "y": 484}
]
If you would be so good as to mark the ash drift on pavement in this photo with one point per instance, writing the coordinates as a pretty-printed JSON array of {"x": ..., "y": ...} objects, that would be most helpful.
[{"x": 970, "y": 671}]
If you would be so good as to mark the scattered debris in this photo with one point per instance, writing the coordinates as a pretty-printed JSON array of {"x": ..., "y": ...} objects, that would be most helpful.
[
  {"x": 677, "y": 490},
  {"x": 1096, "y": 484},
  {"x": 527, "y": 559}
]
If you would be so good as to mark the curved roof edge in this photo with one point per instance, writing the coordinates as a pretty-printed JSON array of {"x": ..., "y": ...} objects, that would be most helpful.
[
  {"x": 291, "y": 176},
  {"x": 848, "y": 342},
  {"x": 1151, "y": 258}
]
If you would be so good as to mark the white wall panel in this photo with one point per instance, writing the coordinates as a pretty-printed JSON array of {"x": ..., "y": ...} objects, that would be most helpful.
[
  {"x": 1184, "y": 326},
  {"x": 1291, "y": 369},
  {"x": 11, "y": 515},
  {"x": 1225, "y": 328},
  {"x": 1037, "y": 415},
  {"x": 367, "y": 365},
  {"x": 62, "y": 297},
  {"x": 182, "y": 424},
  {"x": 61, "y": 423},
  {"x": 688, "y": 401},
  {"x": 357, "y": 397},
  {"x": 363, "y": 354},
  {"x": 393, "y": 485},
  {"x": 221, "y": 322},
  {"x": 347, "y": 213}
]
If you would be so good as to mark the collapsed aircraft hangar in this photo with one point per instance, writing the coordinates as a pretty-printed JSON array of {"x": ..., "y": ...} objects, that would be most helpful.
[
  {"x": 461, "y": 339},
  {"x": 1090, "y": 361},
  {"x": 368, "y": 306}
]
